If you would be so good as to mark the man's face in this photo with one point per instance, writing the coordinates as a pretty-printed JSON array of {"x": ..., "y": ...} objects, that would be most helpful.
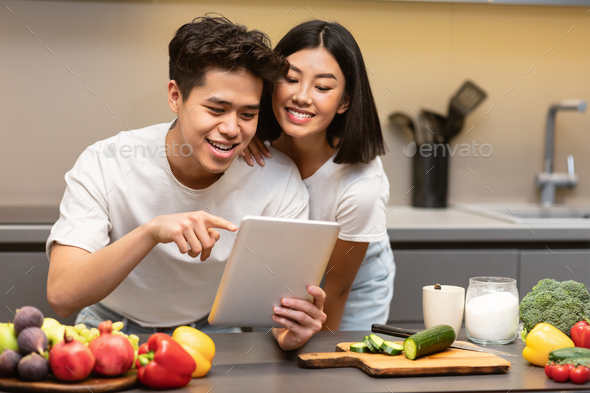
[{"x": 219, "y": 118}]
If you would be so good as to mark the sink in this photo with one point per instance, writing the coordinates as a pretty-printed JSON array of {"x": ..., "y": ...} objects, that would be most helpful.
[{"x": 531, "y": 213}]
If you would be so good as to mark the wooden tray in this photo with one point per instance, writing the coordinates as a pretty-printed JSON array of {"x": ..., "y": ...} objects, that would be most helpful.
[
  {"x": 92, "y": 384},
  {"x": 449, "y": 362}
]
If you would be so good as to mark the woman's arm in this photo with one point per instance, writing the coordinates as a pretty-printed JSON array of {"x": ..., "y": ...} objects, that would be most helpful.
[{"x": 340, "y": 273}]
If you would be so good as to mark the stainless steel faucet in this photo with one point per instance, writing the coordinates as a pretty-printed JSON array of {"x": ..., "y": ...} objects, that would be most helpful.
[{"x": 548, "y": 181}]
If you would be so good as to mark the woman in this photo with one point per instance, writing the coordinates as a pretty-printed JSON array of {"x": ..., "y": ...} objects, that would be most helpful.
[{"x": 324, "y": 117}]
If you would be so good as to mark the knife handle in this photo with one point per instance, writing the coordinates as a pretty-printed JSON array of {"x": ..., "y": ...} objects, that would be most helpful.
[{"x": 392, "y": 331}]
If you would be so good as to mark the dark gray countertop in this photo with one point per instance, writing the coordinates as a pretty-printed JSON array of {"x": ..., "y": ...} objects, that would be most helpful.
[{"x": 253, "y": 362}]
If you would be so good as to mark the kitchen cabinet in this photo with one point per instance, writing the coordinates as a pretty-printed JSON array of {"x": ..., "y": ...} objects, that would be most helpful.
[
  {"x": 417, "y": 268},
  {"x": 559, "y": 265},
  {"x": 23, "y": 282}
]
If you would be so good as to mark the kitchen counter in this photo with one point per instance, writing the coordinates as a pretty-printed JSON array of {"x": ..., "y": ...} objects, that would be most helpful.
[
  {"x": 404, "y": 224},
  {"x": 27, "y": 224},
  {"x": 253, "y": 362},
  {"x": 410, "y": 224}
]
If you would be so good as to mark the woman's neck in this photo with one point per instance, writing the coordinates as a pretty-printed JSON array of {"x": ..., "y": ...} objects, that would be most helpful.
[{"x": 309, "y": 153}]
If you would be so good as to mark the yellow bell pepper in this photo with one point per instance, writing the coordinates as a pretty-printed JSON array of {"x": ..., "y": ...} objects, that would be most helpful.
[
  {"x": 198, "y": 345},
  {"x": 543, "y": 339}
]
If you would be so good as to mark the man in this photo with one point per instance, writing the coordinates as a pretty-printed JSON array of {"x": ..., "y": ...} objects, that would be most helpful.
[{"x": 140, "y": 207}]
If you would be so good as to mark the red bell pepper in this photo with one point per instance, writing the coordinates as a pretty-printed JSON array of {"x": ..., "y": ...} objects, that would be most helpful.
[
  {"x": 580, "y": 333},
  {"x": 162, "y": 363}
]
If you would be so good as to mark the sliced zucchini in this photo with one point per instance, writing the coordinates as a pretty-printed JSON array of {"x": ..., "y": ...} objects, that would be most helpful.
[
  {"x": 391, "y": 348},
  {"x": 359, "y": 348},
  {"x": 367, "y": 342},
  {"x": 376, "y": 341}
]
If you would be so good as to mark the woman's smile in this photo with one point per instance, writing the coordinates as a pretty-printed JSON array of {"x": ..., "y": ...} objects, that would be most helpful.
[{"x": 299, "y": 116}]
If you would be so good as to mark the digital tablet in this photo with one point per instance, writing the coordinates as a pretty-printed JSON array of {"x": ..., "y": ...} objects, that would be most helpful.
[{"x": 271, "y": 259}]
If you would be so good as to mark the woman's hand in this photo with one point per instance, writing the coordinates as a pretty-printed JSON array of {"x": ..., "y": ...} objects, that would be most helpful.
[
  {"x": 256, "y": 149},
  {"x": 300, "y": 318}
]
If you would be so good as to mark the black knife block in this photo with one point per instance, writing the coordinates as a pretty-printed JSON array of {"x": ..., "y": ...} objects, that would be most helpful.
[{"x": 430, "y": 174}]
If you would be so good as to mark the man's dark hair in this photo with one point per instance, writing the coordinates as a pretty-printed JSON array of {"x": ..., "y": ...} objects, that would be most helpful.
[
  {"x": 358, "y": 129},
  {"x": 210, "y": 42}
]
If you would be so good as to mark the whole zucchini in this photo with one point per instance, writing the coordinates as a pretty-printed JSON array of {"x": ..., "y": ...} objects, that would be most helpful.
[
  {"x": 575, "y": 361},
  {"x": 429, "y": 341},
  {"x": 568, "y": 353}
]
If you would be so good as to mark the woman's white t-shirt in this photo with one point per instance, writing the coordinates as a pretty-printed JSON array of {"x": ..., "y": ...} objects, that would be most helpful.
[
  {"x": 354, "y": 196},
  {"x": 122, "y": 182}
]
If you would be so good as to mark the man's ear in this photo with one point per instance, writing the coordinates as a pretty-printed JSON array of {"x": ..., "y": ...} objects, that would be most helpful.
[
  {"x": 174, "y": 96},
  {"x": 344, "y": 105}
]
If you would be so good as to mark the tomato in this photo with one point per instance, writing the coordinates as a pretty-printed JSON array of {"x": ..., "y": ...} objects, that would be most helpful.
[
  {"x": 549, "y": 370},
  {"x": 561, "y": 373},
  {"x": 579, "y": 374}
]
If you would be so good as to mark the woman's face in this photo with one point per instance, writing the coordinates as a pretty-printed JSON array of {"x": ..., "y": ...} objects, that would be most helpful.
[{"x": 311, "y": 95}]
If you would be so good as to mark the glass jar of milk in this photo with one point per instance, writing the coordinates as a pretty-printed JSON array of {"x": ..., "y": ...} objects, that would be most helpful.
[{"x": 491, "y": 310}]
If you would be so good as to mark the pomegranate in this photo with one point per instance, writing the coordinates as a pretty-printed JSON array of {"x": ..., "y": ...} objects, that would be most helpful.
[
  {"x": 70, "y": 360},
  {"x": 114, "y": 354}
]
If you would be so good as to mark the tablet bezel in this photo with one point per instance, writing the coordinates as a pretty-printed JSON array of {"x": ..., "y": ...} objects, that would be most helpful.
[{"x": 264, "y": 267}]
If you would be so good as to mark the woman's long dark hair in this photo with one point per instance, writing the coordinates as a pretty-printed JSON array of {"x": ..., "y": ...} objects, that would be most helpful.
[{"x": 358, "y": 129}]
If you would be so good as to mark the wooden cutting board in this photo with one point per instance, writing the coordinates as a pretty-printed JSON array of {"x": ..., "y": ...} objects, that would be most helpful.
[
  {"x": 449, "y": 362},
  {"x": 92, "y": 384}
]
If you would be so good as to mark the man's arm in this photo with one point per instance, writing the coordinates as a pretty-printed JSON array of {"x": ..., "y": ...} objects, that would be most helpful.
[{"x": 78, "y": 278}]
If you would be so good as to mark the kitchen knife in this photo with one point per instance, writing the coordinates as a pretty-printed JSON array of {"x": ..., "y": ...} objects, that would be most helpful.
[{"x": 399, "y": 332}]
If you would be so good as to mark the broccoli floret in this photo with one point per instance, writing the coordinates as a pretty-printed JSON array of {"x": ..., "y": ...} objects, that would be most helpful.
[
  {"x": 560, "y": 304},
  {"x": 546, "y": 284},
  {"x": 576, "y": 290}
]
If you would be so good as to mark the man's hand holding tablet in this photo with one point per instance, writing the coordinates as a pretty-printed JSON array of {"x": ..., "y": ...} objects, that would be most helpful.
[
  {"x": 272, "y": 278},
  {"x": 300, "y": 318}
]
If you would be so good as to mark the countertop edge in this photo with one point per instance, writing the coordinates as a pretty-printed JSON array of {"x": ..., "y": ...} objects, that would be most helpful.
[
  {"x": 404, "y": 225},
  {"x": 24, "y": 233}
]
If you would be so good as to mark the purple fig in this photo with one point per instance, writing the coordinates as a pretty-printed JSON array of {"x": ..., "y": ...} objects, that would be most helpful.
[
  {"x": 9, "y": 363},
  {"x": 32, "y": 339},
  {"x": 33, "y": 367},
  {"x": 27, "y": 316}
]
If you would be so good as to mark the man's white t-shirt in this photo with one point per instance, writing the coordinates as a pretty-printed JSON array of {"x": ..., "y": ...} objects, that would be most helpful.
[
  {"x": 122, "y": 182},
  {"x": 354, "y": 196}
]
